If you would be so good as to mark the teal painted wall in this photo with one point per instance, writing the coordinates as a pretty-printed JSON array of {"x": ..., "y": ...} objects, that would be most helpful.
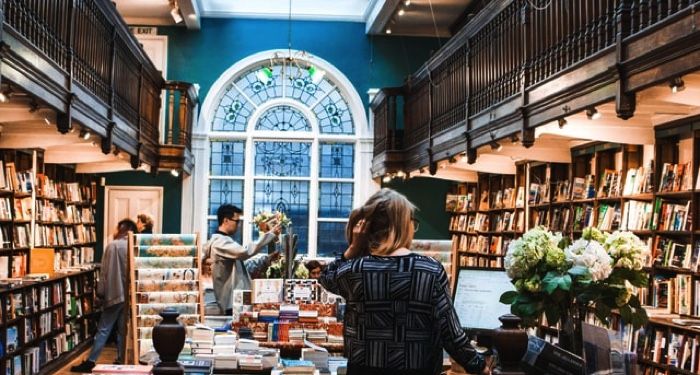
[
  {"x": 172, "y": 193},
  {"x": 368, "y": 61},
  {"x": 428, "y": 194}
]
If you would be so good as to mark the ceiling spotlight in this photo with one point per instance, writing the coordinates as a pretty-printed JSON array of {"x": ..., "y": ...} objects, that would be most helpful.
[
  {"x": 677, "y": 85},
  {"x": 452, "y": 160},
  {"x": 175, "y": 12},
  {"x": 3, "y": 97},
  {"x": 386, "y": 179},
  {"x": 401, "y": 12},
  {"x": 46, "y": 121},
  {"x": 514, "y": 139},
  {"x": 400, "y": 174},
  {"x": 84, "y": 134},
  {"x": 115, "y": 151},
  {"x": 264, "y": 75},
  {"x": 562, "y": 123},
  {"x": 388, "y": 31},
  {"x": 593, "y": 114},
  {"x": 175, "y": 172},
  {"x": 94, "y": 144},
  {"x": 495, "y": 146},
  {"x": 421, "y": 170},
  {"x": 316, "y": 74},
  {"x": 407, "y": 2}
]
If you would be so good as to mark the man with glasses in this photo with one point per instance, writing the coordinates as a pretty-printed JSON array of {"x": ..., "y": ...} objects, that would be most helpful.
[{"x": 229, "y": 271}]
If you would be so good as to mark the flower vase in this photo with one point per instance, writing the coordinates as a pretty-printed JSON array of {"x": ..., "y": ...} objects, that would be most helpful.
[{"x": 570, "y": 330}]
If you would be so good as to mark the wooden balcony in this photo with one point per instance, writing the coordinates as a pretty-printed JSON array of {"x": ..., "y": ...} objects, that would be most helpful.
[
  {"x": 181, "y": 109},
  {"x": 78, "y": 59},
  {"x": 515, "y": 67}
]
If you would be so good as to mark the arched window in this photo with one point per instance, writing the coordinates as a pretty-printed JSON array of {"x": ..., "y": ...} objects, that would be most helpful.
[{"x": 284, "y": 134}]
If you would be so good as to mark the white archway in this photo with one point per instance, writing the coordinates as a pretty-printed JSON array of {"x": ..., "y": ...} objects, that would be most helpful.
[{"x": 195, "y": 189}]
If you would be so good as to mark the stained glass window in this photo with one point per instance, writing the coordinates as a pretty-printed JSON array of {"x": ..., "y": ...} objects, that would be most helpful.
[
  {"x": 331, "y": 239},
  {"x": 283, "y": 118},
  {"x": 225, "y": 191},
  {"x": 233, "y": 112},
  {"x": 258, "y": 86},
  {"x": 283, "y": 159},
  {"x": 290, "y": 197},
  {"x": 337, "y": 160},
  {"x": 303, "y": 88},
  {"x": 281, "y": 165},
  {"x": 335, "y": 199},
  {"x": 227, "y": 158},
  {"x": 334, "y": 115}
]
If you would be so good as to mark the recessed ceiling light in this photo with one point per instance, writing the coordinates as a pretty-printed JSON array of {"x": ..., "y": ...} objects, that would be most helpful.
[
  {"x": 388, "y": 31},
  {"x": 401, "y": 12}
]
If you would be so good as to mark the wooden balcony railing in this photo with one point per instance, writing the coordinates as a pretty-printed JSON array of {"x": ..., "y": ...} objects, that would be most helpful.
[
  {"x": 387, "y": 137},
  {"x": 512, "y": 48},
  {"x": 79, "y": 57},
  {"x": 181, "y": 101}
]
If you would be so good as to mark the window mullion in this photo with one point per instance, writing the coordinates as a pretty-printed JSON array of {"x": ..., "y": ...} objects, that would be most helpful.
[
  {"x": 248, "y": 190},
  {"x": 314, "y": 200}
]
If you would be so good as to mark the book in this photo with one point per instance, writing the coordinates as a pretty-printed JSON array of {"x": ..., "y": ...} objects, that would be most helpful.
[{"x": 121, "y": 369}]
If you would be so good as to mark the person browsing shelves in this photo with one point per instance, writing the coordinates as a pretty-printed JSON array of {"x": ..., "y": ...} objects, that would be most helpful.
[
  {"x": 229, "y": 271},
  {"x": 399, "y": 314}
]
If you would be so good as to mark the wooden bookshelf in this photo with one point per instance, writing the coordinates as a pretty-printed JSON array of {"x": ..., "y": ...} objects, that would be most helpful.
[{"x": 45, "y": 206}]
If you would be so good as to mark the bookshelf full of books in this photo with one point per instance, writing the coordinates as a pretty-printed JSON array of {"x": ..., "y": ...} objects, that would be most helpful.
[
  {"x": 47, "y": 276},
  {"x": 653, "y": 191},
  {"x": 43, "y": 319},
  {"x": 485, "y": 217}
]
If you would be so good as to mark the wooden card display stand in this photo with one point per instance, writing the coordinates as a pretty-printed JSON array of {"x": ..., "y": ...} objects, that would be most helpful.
[{"x": 163, "y": 273}]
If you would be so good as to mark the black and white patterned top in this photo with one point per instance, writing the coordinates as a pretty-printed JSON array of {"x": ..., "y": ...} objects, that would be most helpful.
[{"x": 399, "y": 314}]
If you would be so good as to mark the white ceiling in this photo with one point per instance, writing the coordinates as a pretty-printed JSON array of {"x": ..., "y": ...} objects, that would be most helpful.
[
  {"x": 326, "y": 10},
  {"x": 419, "y": 18}
]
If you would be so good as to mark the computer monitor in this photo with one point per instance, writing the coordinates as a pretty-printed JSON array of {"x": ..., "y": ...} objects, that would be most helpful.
[{"x": 476, "y": 298}]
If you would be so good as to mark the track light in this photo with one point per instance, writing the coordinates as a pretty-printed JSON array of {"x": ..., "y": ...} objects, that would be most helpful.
[
  {"x": 593, "y": 114},
  {"x": 316, "y": 74},
  {"x": 386, "y": 179},
  {"x": 495, "y": 146},
  {"x": 452, "y": 160},
  {"x": 264, "y": 75},
  {"x": 677, "y": 85},
  {"x": 388, "y": 31},
  {"x": 175, "y": 172},
  {"x": 401, "y": 12},
  {"x": 4, "y": 97},
  {"x": 175, "y": 12},
  {"x": 407, "y": 2},
  {"x": 46, "y": 121},
  {"x": 562, "y": 123},
  {"x": 400, "y": 174},
  {"x": 84, "y": 134},
  {"x": 514, "y": 139}
]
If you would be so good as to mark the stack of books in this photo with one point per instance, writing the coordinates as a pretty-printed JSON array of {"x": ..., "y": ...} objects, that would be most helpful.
[
  {"x": 289, "y": 313},
  {"x": 318, "y": 357},
  {"x": 122, "y": 369},
  {"x": 296, "y": 335},
  {"x": 316, "y": 335},
  {"x": 250, "y": 362},
  {"x": 308, "y": 316},
  {"x": 298, "y": 367}
]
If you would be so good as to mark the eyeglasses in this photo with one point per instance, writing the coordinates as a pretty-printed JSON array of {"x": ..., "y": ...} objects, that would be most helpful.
[
  {"x": 416, "y": 224},
  {"x": 236, "y": 220}
]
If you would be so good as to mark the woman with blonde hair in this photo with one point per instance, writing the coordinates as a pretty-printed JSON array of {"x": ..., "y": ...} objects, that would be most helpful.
[{"x": 399, "y": 314}]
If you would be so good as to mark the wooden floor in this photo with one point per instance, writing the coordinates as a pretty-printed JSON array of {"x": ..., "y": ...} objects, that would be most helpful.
[{"x": 109, "y": 354}]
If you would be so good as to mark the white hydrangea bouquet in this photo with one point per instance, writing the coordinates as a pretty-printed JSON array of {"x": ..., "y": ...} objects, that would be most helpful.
[
  {"x": 266, "y": 220},
  {"x": 559, "y": 280}
]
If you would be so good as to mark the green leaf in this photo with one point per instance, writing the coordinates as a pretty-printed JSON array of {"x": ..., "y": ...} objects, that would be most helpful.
[
  {"x": 509, "y": 297},
  {"x": 578, "y": 271}
]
